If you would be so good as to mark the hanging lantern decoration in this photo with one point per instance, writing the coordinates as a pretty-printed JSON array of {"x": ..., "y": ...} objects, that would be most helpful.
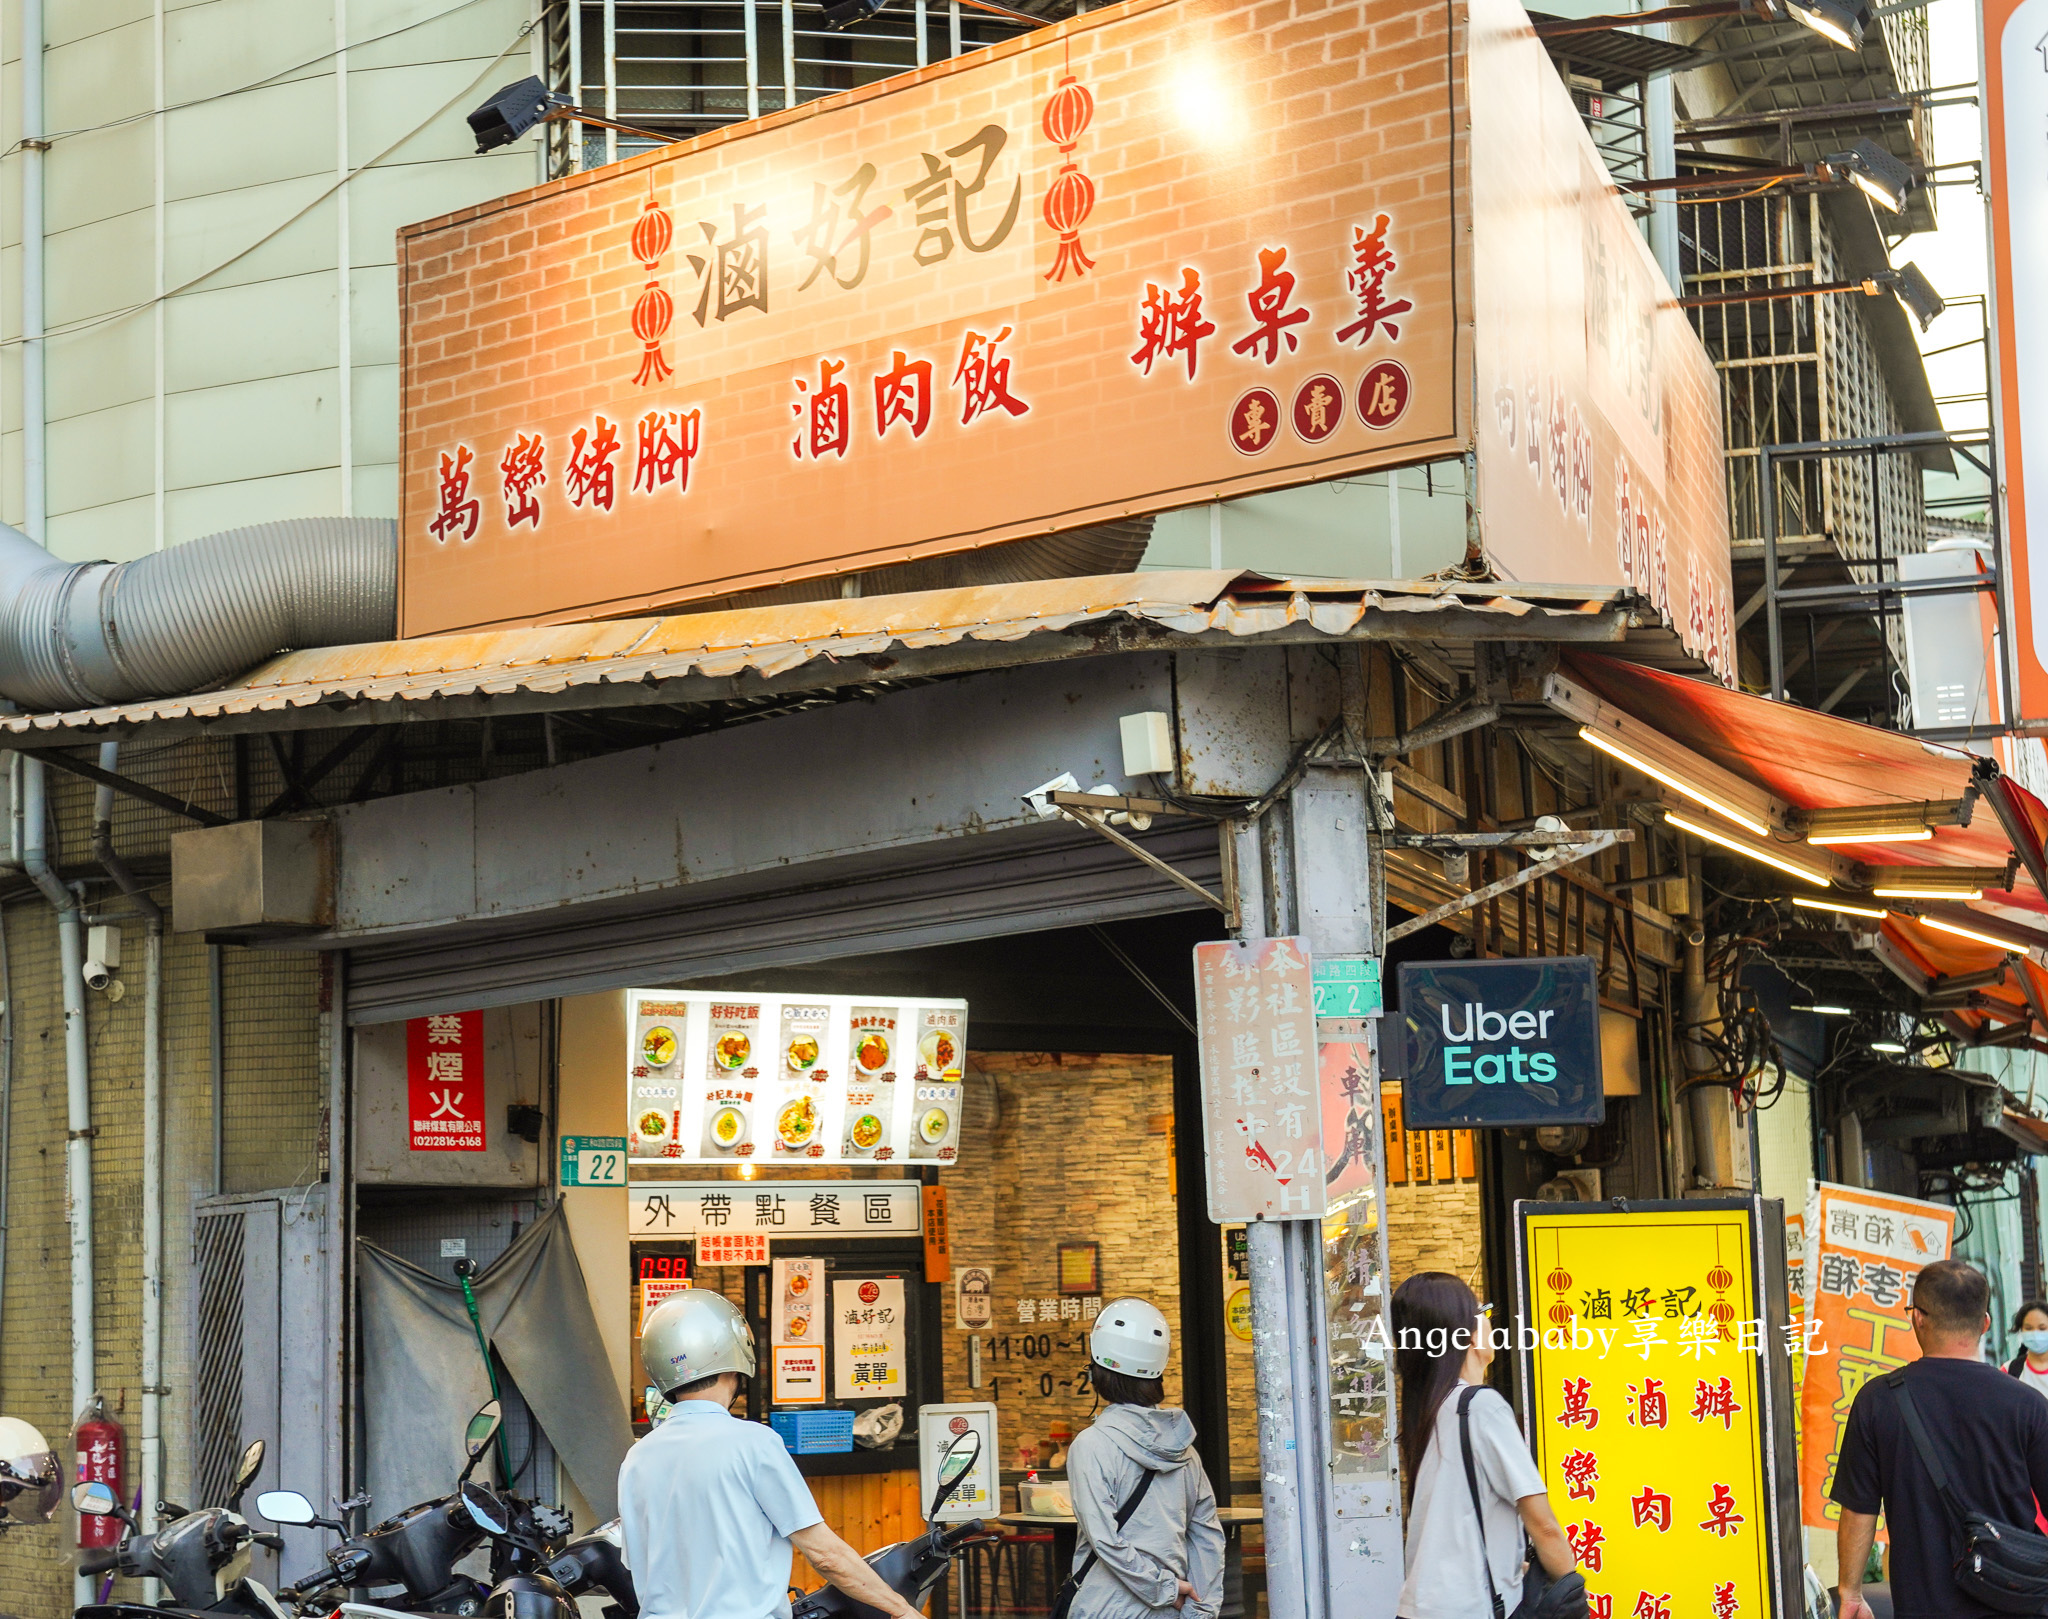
[
  {"x": 1070, "y": 199},
  {"x": 654, "y": 309},
  {"x": 1560, "y": 1314},
  {"x": 1068, "y": 114},
  {"x": 1559, "y": 1279},
  {"x": 1721, "y": 1312}
]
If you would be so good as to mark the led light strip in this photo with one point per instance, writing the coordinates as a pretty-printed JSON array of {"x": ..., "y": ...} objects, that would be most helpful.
[
  {"x": 1686, "y": 823},
  {"x": 1677, "y": 784},
  {"x": 1928, "y": 893},
  {"x": 1872, "y": 835},
  {"x": 1839, "y": 905},
  {"x": 1972, "y": 934}
]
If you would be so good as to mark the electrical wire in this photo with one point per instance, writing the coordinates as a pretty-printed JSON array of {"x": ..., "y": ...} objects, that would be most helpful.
[
  {"x": 250, "y": 88},
  {"x": 73, "y": 328}
]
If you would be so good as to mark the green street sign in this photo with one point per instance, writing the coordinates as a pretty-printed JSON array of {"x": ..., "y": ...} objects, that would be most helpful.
[
  {"x": 1347, "y": 986},
  {"x": 593, "y": 1160}
]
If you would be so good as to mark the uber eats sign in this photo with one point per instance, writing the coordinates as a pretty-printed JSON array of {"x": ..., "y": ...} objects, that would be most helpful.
[{"x": 1491, "y": 1043}]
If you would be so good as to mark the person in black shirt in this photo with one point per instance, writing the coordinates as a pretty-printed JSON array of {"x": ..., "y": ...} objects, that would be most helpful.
[{"x": 1992, "y": 1436}]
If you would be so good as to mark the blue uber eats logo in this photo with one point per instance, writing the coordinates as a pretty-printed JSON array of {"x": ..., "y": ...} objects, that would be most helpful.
[{"x": 1499, "y": 1043}]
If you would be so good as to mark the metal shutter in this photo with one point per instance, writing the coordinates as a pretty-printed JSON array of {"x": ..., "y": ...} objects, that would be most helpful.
[{"x": 967, "y": 888}]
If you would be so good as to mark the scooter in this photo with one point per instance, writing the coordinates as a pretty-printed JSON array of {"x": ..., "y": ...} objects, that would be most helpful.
[
  {"x": 596, "y": 1561},
  {"x": 203, "y": 1556},
  {"x": 911, "y": 1568},
  {"x": 417, "y": 1549}
]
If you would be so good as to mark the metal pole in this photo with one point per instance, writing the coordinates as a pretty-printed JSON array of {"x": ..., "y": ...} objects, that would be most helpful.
[
  {"x": 575, "y": 130},
  {"x": 217, "y": 1060},
  {"x": 6, "y": 1101},
  {"x": 1767, "y": 505},
  {"x": 77, "y": 1087},
  {"x": 611, "y": 78},
  {"x": 341, "y": 1469},
  {"x": 752, "y": 23},
  {"x": 34, "y": 425},
  {"x": 788, "y": 53}
]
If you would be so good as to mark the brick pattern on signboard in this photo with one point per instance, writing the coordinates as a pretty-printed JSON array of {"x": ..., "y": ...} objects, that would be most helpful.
[{"x": 519, "y": 315}]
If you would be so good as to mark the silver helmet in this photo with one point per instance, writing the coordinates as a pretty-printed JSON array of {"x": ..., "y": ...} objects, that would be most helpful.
[
  {"x": 696, "y": 1334},
  {"x": 31, "y": 1483}
]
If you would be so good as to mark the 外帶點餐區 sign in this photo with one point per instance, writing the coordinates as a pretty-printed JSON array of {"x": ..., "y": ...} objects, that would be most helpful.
[{"x": 1120, "y": 264}]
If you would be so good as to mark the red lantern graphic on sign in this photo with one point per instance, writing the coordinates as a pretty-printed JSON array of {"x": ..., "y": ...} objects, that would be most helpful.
[
  {"x": 654, "y": 309},
  {"x": 1070, "y": 199}
]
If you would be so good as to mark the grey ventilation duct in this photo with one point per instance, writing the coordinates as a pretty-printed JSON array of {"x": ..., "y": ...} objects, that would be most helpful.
[{"x": 85, "y": 634}]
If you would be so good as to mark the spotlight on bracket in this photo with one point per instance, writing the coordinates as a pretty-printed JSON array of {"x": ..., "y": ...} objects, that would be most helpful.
[
  {"x": 1877, "y": 174},
  {"x": 511, "y": 112},
  {"x": 1842, "y": 21}
]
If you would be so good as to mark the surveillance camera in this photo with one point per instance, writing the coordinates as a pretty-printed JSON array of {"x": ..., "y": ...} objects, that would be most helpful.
[{"x": 102, "y": 954}]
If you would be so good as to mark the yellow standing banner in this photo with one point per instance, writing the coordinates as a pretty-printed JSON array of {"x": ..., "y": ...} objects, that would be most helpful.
[{"x": 1654, "y": 1358}]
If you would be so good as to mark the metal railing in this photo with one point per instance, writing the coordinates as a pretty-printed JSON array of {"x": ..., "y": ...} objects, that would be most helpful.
[
  {"x": 1879, "y": 594},
  {"x": 685, "y": 67}
]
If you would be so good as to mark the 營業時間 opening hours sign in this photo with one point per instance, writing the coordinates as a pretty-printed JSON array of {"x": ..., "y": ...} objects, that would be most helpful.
[{"x": 1121, "y": 264}]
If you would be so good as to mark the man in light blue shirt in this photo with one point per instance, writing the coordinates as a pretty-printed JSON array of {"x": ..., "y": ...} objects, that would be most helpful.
[{"x": 709, "y": 1505}]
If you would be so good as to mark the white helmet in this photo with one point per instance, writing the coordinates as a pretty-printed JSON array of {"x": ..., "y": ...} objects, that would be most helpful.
[
  {"x": 31, "y": 1483},
  {"x": 698, "y": 1333},
  {"x": 1131, "y": 1337}
]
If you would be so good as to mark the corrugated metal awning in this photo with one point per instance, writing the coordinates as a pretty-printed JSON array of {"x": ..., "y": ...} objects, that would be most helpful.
[{"x": 702, "y": 657}]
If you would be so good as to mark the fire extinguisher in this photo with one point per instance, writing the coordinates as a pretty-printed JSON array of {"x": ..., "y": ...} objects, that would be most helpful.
[{"x": 97, "y": 1441}]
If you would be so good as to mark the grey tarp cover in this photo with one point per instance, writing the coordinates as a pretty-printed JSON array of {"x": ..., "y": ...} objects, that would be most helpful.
[{"x": 423, "y": 1376}]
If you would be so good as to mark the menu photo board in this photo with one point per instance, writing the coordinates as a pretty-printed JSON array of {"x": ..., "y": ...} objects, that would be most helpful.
[{"x": 793, "y": 1079}]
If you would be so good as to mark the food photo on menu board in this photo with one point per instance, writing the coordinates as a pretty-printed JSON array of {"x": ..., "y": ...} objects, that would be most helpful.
[
  {"x": 871, "y": 1084},
  {"x": 654, "y": 1094},
  {"x": 732, "y": 1073},
  {"x": 823, "y": 1079},
  {"x": 800, "y": 1103},
  {"x": 941, "y": 1066}
]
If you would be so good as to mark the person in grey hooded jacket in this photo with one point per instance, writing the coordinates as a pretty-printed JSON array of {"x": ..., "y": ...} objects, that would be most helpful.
[{"x": 1168, "y": 1555}]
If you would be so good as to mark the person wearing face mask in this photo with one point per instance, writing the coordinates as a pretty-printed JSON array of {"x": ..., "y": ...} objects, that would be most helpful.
[{"x": 2030, "y": 1365}]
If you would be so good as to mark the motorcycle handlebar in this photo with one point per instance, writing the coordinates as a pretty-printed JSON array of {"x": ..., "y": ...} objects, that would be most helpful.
[
  {"x": 98, "y": 1562},
  {"x": 959, "y": 1534}
]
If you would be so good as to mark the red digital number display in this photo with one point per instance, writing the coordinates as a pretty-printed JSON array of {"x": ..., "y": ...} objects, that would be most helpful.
[{"x": 664, "y": 1267}]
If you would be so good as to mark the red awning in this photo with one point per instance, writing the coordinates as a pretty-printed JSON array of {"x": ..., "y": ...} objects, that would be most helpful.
[{"x": 1818, "y": 761}]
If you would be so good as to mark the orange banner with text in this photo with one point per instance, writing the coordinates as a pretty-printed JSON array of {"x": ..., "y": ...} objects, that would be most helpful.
[{"x": 1863, "y": 1250}]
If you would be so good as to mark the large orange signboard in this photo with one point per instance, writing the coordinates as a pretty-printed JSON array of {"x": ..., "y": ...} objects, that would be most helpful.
[
  {"x": 1599, "y": 416},
  {"x": 2015, "y": 123},
  {"x": 1158, "y": 254}
]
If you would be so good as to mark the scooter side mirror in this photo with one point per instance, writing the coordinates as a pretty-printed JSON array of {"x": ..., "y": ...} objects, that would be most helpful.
[
  {"x": 285, "y": 1506},
  {"x": 95, "y": 1500},
  {"x": 483, "y": 1427},
  {"x": 245, "y": 1473},
  {"x": 955, "y": 1463},
  {"x": 477, "y": 1437},
  {"x": 486, "y": 1511}
]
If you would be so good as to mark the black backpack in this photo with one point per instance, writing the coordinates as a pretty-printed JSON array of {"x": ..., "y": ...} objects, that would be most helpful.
[{"x": 2001, "y": 1565}]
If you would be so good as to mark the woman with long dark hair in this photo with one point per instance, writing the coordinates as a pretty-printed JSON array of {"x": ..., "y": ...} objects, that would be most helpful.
[{"x": 1441, "y": 1350}]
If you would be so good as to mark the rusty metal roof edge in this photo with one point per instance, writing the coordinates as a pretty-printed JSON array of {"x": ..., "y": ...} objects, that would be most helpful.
[{"x": 1186, "y": 607}]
